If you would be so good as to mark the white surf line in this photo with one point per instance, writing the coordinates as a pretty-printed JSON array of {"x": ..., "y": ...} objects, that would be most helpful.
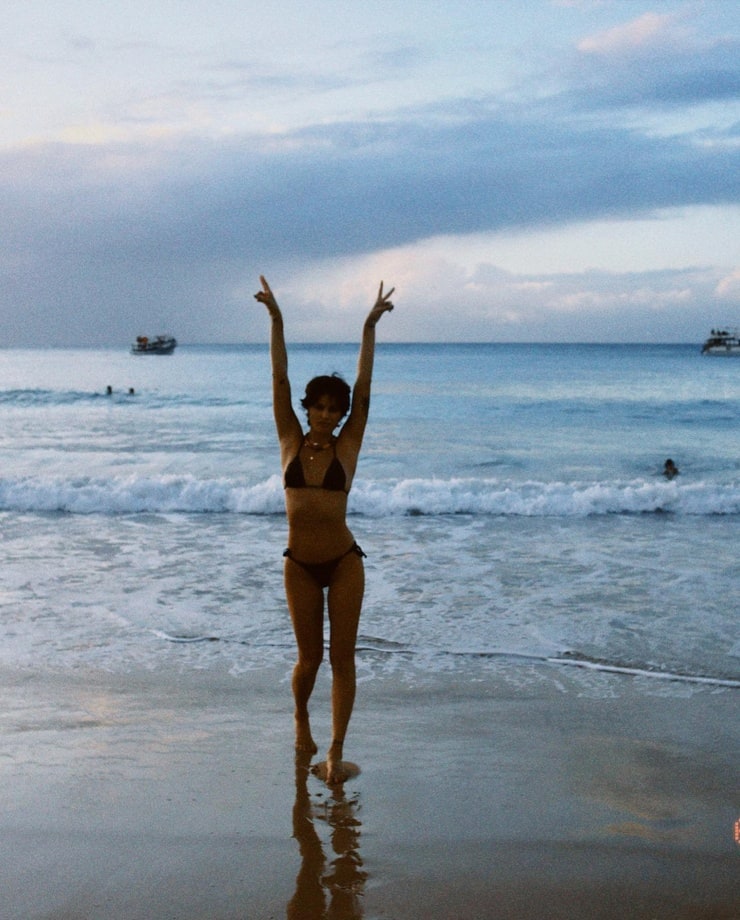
[
  {"x": 604, "y": 666},
  {"x": 641, "y": 672},
  {"x": 169, "y": 638}
]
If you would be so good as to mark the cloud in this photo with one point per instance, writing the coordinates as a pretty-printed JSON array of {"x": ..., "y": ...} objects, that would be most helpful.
[
  {"x": 347, "y": 188},
  {"x": 654, "y": 59},
  {"x": 156, "y": 216},
  {"x": 440, "y": 299},
  {"x": 648, "y": 29},
  {"x": 153, "y": 227},
  {"x": 729, "y": 286}
]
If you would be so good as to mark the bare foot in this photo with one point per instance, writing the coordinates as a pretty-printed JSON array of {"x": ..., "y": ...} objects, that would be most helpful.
[
  {"x": 303, "y": 739},
  {"x": 341, "y": 771},
  {"x": 338, "y": 770}
]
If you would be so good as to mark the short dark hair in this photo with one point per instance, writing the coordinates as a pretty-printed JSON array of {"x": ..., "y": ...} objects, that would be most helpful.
[{"x": 332, "y": 386}]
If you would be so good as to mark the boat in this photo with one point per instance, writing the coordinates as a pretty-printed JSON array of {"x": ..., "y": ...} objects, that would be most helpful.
[
  {"x": 160, "y": 345},
  {"x": 723, "y": 342}
]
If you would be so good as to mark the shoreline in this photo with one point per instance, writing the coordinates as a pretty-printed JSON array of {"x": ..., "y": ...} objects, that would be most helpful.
[{"x": 177, "y": 795}]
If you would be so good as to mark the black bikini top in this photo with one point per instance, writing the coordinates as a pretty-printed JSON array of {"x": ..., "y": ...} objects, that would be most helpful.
[{"x": 335, "y": 479}]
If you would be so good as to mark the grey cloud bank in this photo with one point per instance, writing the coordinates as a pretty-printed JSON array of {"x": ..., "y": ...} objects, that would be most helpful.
[
  {"x": 181, "y": 224},
  {"x": 100, "y": 241}
]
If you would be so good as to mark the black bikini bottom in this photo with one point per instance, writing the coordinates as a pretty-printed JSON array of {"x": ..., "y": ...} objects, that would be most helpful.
[{"x": 323, "y": 572}]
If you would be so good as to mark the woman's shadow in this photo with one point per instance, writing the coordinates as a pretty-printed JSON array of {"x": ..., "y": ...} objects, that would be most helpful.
[{"x": 326, "y": 888}]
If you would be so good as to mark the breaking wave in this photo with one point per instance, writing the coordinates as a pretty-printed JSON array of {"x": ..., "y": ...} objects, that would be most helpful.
[{"x": 379, "y": 498}]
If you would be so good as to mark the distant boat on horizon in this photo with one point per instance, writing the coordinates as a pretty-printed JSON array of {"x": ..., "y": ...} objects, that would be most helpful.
[
  {"x": 160, "y": 345},
  {"x": 722, "y": 342}
]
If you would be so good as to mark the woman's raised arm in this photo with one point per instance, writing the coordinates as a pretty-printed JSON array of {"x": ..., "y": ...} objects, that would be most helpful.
[
  {"x": 354, "y": 427},
  {"x": 286, "y": 421}
]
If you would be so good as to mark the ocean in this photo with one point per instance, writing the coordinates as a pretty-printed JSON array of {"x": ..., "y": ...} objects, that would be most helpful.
[{"x": 509, "y": 499}]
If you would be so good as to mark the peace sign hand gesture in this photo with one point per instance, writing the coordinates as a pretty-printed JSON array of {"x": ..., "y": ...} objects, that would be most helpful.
[
  {"x": 382, "y": 305},
  {"x": 266, "y": 297}
]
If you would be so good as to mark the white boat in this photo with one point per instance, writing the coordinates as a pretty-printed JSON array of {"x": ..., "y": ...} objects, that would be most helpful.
[
  {"x": 161, "y": 345},
  {"x": 723, "y": 342}
]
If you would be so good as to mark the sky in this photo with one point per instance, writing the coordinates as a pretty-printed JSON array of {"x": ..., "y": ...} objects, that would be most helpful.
[{"x": 532, "y": 170}]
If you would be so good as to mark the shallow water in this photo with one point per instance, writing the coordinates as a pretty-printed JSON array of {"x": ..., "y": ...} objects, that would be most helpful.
[{"x": 509, "y": 499}]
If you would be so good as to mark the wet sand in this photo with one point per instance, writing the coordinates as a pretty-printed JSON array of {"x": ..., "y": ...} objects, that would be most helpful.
[{"x": 177, "y": 795}]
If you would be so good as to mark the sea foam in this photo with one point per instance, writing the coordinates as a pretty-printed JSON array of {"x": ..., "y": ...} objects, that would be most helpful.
[{"x": 379, "y": 498}]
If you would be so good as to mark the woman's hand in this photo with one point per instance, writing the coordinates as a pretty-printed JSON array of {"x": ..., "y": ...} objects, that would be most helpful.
[
  {"x": 266, "y": 297},
  {"x": 382, "y": 305}
]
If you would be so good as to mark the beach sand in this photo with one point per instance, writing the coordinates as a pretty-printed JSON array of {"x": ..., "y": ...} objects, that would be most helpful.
[{"x": 176, "y": 794}]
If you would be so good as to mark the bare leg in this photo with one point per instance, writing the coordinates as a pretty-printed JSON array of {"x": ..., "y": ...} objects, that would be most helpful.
[
  {"x": 345, "y": 603},
  {"x": 301, "y": 692},
  {"x": 306, "y": 604}
]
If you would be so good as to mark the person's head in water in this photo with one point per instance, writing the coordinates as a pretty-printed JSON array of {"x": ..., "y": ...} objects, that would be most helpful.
[
  {"x": 670, "y": 469},
  {"x": 333, "y": 388}
]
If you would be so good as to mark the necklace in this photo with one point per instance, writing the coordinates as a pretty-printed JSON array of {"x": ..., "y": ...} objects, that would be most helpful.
[{"x": 314, "y": 446}]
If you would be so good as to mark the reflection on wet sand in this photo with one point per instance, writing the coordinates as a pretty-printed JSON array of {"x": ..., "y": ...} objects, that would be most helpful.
[{"x": 326, "y": 888}]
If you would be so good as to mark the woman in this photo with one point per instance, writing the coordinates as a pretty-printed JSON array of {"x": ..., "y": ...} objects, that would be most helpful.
[{"x": 318, "y": 468}]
